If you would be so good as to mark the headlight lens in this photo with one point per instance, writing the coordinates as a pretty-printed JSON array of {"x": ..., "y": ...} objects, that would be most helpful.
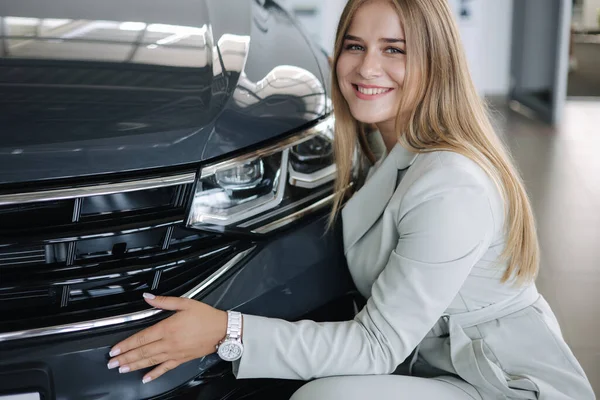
[{"x": 269, "y": 188}]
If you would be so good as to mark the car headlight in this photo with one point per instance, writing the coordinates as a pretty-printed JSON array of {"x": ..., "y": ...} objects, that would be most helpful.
[{"x": 268, "y": 188}]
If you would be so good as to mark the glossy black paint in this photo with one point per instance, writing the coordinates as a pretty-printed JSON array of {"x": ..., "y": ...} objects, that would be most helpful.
[{"x": 76, "y": 103}]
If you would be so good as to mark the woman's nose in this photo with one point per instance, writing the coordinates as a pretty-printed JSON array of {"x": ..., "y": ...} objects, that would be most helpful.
[{"x": 370, "y": 66}]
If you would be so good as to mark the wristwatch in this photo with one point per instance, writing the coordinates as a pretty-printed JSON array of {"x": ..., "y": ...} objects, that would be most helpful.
[{"x": 231, "y": 348}]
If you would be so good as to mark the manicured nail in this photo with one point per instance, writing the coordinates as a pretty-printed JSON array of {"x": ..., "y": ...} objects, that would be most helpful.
[
  {"x": 124, "y": 370},
  {"x": 113, "y": 364},
  {"x": 114, "y": 352},
  {"x": 149, "y": 296},
  {"x": 146, "y": 379}
]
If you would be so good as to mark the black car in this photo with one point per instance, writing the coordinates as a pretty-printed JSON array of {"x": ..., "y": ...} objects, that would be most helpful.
[{"x": 182, "y": 147}]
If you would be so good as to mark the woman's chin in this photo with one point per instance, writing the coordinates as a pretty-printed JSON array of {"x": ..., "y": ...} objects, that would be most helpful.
[
  {"x": 365, "y": 118},
  {"x": 368, "y": 114}
]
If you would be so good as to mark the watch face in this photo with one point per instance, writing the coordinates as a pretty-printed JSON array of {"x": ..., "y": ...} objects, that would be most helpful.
[{"x": 230, "y": 350}]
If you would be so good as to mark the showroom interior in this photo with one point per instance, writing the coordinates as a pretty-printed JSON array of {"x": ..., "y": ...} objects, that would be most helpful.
[{"x": 535, "y": 62}]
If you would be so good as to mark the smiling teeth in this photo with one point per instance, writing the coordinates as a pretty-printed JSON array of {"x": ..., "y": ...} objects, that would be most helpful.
[{"x": 371, "y": 92}]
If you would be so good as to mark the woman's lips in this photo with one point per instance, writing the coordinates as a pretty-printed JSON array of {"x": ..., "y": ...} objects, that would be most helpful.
[{"x": 370, "y": 92}]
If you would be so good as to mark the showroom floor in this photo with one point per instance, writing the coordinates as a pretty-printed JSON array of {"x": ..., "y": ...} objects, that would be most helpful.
[{"x": 561, "y": 169}]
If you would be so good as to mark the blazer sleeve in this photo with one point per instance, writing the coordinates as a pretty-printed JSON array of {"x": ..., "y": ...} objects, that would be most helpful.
[{"x": 445, "y": 225}]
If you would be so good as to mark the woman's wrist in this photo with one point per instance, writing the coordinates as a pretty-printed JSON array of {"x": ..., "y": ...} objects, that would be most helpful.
[{"x": 221, "y": 324}]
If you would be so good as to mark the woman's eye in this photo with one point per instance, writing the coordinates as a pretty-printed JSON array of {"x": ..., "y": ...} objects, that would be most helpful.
[
  {"x": 354, "y": 47},
  {"x": 394, "y": 50}
]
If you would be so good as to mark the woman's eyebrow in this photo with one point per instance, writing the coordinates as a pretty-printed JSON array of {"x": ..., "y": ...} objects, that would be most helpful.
[
  {"x": 392, "y": 40},
  {"x": 385, "y": 40},
  {"x": 350, "y": 37}
]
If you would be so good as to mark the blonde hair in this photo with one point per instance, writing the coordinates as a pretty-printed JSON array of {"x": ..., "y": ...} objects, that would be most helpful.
[{"x": 440, "y": 111}]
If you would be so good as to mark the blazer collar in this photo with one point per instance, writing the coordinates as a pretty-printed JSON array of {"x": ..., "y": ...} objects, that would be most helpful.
[{"x": 366, "y": 206}]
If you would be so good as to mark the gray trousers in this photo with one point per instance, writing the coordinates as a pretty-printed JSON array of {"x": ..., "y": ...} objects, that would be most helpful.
[{"x": 386, "y": 387}]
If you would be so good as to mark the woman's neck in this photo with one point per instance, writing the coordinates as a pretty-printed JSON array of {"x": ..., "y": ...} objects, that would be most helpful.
[{"x": 388, "y": 134}]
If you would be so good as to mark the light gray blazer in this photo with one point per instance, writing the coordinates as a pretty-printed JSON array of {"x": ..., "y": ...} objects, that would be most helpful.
[{"x": 425, "y": 255}]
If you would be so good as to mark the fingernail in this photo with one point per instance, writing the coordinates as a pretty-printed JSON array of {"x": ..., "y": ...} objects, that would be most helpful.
[
  {"x": 146, "y": 379},
  {"x": 113, "y": 364},
  {"x": 114, "y": 352},
  {"x": 124, "y": 370},
  {"x": 149, "y": 296}
]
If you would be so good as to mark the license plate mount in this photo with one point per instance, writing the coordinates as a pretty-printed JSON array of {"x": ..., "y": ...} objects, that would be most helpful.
[
  {"x": 26, "y": 382},
  {"x": 21, "y": 396}
]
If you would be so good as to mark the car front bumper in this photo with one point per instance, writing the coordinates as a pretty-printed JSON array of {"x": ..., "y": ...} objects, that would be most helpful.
[{"x": 289, "y": 275}]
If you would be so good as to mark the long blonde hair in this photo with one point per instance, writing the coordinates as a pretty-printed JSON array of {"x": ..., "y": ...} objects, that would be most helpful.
[{"x": 440, "y": 111}]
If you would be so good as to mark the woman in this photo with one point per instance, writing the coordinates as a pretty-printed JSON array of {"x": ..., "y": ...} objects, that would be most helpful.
[{"x": 440, "y": 240}]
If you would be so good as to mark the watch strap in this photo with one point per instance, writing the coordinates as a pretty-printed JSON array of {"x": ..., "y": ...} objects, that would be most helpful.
[{"x": 234, "y": 325}]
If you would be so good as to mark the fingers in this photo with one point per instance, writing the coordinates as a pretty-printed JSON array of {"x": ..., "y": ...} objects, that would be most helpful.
[
  {"x": 140, "y": 339},
  {"x": 166, "y": 302},
  {"x": 161, "y": 370},
  {"x": 141, "y": 354},
  {"x": 145, "y": 363}
]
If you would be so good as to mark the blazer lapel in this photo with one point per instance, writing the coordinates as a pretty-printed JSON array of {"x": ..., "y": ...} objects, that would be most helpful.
[{"x": 366, "y": 206}]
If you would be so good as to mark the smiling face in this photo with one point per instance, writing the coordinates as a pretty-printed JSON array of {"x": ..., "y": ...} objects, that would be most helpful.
[{"x": 372, "y": 64}]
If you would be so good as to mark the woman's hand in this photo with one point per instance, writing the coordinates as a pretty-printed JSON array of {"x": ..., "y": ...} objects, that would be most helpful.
[{"x": 192, "y": 332}]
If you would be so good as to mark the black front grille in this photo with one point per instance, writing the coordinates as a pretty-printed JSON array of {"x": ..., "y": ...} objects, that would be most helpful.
[
  {"x": 35, "y": 215},
  {"x": 22, "y": 256},
  {"x": 90, "y": 257}
]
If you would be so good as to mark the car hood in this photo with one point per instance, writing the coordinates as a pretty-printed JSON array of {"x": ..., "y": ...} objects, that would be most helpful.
[{"x": 118, "y": 85}]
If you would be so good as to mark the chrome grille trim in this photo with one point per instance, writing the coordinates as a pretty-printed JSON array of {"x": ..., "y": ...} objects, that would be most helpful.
[
  {"x": 14, "y": 263},
  {"x": 41, "y": 256},
  {"x": 25, "y": 251},
  {"x": 121, "y": 319},
  {"x": 24, "y": 256},
  {"x": 97, "y": 190},
  {"x": 21, "y": 254}
]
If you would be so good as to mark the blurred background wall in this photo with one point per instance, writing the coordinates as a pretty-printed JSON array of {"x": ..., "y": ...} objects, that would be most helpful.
[{"x": 488, "y": 34}]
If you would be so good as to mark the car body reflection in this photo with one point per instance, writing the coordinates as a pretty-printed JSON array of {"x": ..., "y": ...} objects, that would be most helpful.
[{"x": 82, "y": 91}]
